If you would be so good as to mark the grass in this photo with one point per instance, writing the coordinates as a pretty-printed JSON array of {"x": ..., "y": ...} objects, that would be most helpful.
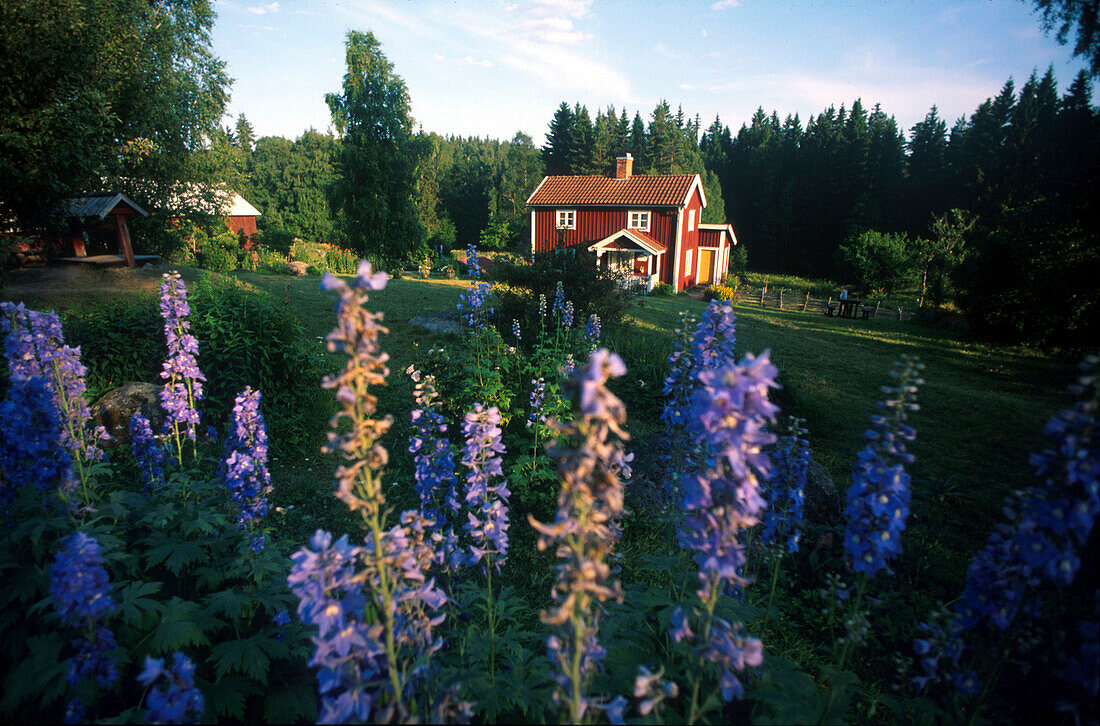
[{"x": 983, "y": 409}]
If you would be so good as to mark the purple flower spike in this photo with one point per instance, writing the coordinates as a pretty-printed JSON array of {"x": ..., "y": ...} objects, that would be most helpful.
[
  {"x": 433, "y": 459},
  {"x": 356, "y": 335},
  {"x": 727, "y": 420},
  {"x": 175, "y": 700},
  {"x": 35, "y": 348},
  {"x": 246, "y": 472},
  {"x": 79, "y": 584},
  {"x": 487, "y": 502},
  {"x": 878, "y": 500},
  {"x": 148, "y": 451},
  {"x": 590, "y": 459},
  {"x": 183, "y": 379}
]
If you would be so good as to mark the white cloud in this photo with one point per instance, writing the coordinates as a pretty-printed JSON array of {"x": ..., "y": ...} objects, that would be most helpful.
[
  {"x": 725, "y": 4},
  {"x": 541, "y": 39},
  {"x": 572, "y": 8},
  {"x": 469, "y": 61},
  {"x": 438, "y": 57},
  {"x": 662, "y": 49},
  {"x": 263, "y": 9}
]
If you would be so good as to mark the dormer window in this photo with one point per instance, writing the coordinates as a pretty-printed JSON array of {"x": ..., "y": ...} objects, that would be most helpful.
[
  {"x": 566, "y": 219},
  {"x": 637, "y": 219}
]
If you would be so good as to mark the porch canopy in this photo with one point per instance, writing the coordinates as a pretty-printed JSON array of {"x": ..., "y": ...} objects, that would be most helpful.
[
  {"x": 97, "y": 207},
  {"x": 624, "y": 248}
]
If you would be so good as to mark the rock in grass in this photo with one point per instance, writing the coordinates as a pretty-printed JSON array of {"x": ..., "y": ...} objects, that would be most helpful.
[{"x": 115, "y": 408}]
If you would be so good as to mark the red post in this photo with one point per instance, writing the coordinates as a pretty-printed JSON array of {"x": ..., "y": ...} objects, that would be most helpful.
[{"x": 124, "y": 239}]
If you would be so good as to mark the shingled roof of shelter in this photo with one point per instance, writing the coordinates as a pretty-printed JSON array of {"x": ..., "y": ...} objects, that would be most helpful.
[{"x": 643, "y": 190}]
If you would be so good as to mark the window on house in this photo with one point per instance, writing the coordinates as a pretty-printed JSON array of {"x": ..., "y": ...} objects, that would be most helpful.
[
  {"x": 566, "y": 219},
  {"x": 688, "y": 269},
  {"x": 691, "y": 220},
  {"x": 637, "y": 219}
]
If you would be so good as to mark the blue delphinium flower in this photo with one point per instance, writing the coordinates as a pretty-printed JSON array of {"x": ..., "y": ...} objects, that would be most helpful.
[
  {"x": 592, "y": 330},
  {"x": 1048, "y": 527},
  {"x": 81, "y": 592},
  {"x": 728, "y": 418},
  {"x": 374, "y": 606},
  {"x": 590, "y": 457},
  {"x": 433, "y": 459},
  {"x": 567, "y": 314},
  {"x": 149, "y": 453},
  {"x": 538, "y": 397},
  {"x": 559, "y": 299},
  {"x": 35, "y": 348},
  {"x": 785, "y": 495},
  {"x": 471, "y": 303},
  {"x": 176, "y": 699},
  {"x": 337, "y": 585},
  {"x": 30, "y": 449},
  {"x": 74, "y": 711},
  {"x": 79, "y": 584},
  {"x": 487, "y": 502},
  {"x": 715, "y": 341},
  {"x": 878, "y": 500},
  {"x": 472, "y": 263},
  {"x": 183, "y": 379},
  {"x": 515, "y": 329},
  {"x": 93, "y": 660},
  {"x": 246, "y": 472}
]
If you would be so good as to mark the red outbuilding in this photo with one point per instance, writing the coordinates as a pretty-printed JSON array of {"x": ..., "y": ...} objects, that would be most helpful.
[{"x": 646, "y": 227}]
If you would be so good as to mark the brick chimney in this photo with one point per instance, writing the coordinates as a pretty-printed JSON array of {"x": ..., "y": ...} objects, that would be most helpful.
[{"x": 624, "y": 167}]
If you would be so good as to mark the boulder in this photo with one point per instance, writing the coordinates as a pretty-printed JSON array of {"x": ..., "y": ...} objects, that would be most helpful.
[
  {"x": 115, "y": 408},
  {"x": 823, "y": 504},
  {"x": 297, "y": 267}
]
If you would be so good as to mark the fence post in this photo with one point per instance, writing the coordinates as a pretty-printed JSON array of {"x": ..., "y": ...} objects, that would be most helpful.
[
  {"x": 780, "y": 298},
  {"x": 828, "y": 304},
  {"x": 876, "y": 308},
  {"x": 762, "y": 291},
  {"x": 901, "y": 316},
  {"x": 806, "y": 301}
]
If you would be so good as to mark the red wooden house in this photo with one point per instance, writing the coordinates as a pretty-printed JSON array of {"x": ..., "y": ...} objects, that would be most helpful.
[{"x": 646, "y": 227}]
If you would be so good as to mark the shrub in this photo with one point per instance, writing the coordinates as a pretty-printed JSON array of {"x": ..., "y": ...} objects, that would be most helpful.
[
  {"x": 311, "y": 253},
  {"x": 592, "y": 289},
  {"x": 246, "y": 336},
  {"x": 279, "y": 240},
  {"x": 719, "y": 292},
  {"x": 878, "y": 261},
  {"x": 663, "y": 289},
  {"x": 739, "y": 260}
]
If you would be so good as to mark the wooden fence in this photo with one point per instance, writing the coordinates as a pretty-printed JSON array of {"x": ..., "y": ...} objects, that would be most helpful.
[{"x": 787, "y": 300}]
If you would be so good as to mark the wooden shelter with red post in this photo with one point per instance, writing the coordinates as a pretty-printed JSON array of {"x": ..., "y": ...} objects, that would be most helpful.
[
  {"x": 103, "y": 209},
  {"x": 648, "y": 227}
]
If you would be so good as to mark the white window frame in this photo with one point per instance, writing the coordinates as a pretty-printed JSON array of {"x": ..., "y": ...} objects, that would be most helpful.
[
  {"x": 565, "y": 219},
  {"x": 691, "y": 220},
  {"x": 688, "y": 269},
  {"x": 643, "y": 219}
]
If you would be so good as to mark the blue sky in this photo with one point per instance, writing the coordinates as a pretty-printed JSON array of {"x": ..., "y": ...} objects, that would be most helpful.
[{"x": 493, "y": 68}]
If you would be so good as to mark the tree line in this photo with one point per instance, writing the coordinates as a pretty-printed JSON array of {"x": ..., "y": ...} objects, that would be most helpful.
[{"x": 996, "y": 211}]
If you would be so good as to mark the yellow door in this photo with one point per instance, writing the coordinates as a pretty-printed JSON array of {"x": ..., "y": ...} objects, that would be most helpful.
[{"x": 706, "y": 266}]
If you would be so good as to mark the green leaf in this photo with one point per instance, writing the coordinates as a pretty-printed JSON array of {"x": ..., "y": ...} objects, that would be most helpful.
[
  {"x": 180, "y": 626},
  {"x": 243, "y": 656},
  {"x": 291, "y": 702},
  {"x": 226, "y": 695},
  {"x": 228, "y": 602},
  {"x": 40, "y": 677}
]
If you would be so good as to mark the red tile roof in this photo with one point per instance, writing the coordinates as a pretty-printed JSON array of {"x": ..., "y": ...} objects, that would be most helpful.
[{"x": 643, "y": 190}]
